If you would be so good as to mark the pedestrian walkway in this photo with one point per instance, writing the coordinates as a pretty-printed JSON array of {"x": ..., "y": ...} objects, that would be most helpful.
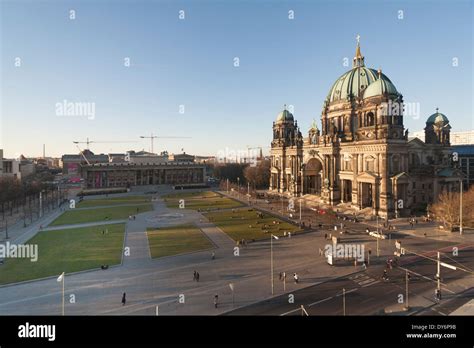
[
  {"x": 216, "y": 235},
  {"x": 363, "y": 279},
  {"x": 85, "y": 224},
  {"x": 136, "y": 243},
  {"x": 20, "y": 235}
]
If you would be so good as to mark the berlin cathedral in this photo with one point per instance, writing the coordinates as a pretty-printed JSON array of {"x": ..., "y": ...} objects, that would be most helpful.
[{"x": 362, "y": 157}]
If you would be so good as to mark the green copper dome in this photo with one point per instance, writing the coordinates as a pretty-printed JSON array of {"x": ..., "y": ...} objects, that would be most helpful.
[
  {"x": 382, "y": 86},
  {"x": 360, "y": 82},
  {"x": 351, "y": 83},
  {"x": 285, "y": 116},
  {"x": 437, "y": 117}
]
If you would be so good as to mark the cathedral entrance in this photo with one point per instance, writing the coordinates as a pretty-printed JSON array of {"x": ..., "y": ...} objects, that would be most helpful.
[
  {"x": 312, "y": 177},
  {"x": 346, "y": 191},
  {"x": 366, "y": 195},
  {"x": 313, "y": 184}
]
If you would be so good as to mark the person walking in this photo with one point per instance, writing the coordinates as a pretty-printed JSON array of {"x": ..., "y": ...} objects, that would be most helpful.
[
  {"x": 216, "y": 298},
  {"x": 295, "y": 277},
  {"x": 194, "y": 275},
  {"x": 124, "y": 299},
  {"x": 197, "y": 277}
]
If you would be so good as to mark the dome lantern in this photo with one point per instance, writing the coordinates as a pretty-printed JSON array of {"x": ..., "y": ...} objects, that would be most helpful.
[{"x": 358, "y": 60}]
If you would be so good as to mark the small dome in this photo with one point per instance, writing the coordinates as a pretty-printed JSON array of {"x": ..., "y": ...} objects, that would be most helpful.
[
  {"x": 437, "y": 117},
  {"x": 380, "y": 87},
  {"x": 314, "y": 126},
  {"x": 285, "y": 116}
]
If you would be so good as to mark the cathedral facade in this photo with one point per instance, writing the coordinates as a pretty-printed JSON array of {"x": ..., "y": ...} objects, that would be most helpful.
[{"x": 362, "y": 156}]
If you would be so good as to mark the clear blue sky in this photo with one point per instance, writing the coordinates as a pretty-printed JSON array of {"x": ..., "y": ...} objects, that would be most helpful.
[{"x": 190, "y": 62}]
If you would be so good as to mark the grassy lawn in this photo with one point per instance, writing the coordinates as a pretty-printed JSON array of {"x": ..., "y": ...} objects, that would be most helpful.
[
  {"x": 200, "y": 200},
  {"x": 100, "y": 214},
  {"x": 176, "y": 240},
  {"x": 87, "y": 203},
  {"x": 69, "y": 250},
  {"x": 246, "y": 224}
]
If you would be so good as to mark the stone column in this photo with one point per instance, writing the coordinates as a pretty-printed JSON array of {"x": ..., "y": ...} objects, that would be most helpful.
[
  {"x": 342, "y": 191},
  {"x": 384, "y": 176}
]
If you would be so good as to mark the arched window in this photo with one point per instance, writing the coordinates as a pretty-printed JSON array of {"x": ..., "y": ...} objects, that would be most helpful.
[{"x": 370, "y": 119}]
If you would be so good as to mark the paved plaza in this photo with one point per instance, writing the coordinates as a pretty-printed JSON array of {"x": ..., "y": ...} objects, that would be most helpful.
[{"x": 166, "y": 285}]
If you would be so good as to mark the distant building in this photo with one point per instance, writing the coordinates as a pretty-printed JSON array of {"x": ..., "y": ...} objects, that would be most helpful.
[
  {"x": 205, "y": 159},
  {"x": 48, "y": 162},
  {"x": 134, "y": 168},
  {"x": 72, "y": 163},
  {"x": 9, "y": 167},
  {"x": 182, "y": 157},
  {"x": 456, "y": 138},
  {"x": 107, "y": 175},
  {"x": 465, "y": 154},
  {"x": 27, "y": 167}
]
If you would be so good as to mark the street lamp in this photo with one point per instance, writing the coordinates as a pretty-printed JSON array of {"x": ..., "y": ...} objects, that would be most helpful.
[
  {"x": 407, "y": 278},
  {"x": 231, "y": 286},
  {"x": 238, "y": 187},
  {"x": 271, "y": 259},
  {"x": 344, "y": 301},
  {"x": 460, "y": 208},
  {"x": 248, "y": 192},
  {"x": 41, "y": 204},
  {"x": 61, "y": 279}
]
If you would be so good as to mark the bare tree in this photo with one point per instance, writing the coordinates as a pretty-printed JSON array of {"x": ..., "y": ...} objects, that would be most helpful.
[{"x": 446, "y": 209}]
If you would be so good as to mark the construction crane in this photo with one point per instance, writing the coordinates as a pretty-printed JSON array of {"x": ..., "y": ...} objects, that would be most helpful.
[
  {"x": 153, "y": 137},
  {"x": 256, "y": 147},
  {"x": 88, "y": 142},
  {"x": 82, "y": 154}
]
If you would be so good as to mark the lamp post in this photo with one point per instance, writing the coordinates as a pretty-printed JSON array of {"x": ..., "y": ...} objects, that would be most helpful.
[
  {"x": 460, "y": 208},
  {"x": 406, "y": 289},
  {"x": 344, "y": 301},
  {"x": 41, "y": 204},
  {"x": 61, "y": 279},
  {"x": 271, "y": 260},
  {"x": 438, "y": 275},
  {"x": 300, "y": 210},
  {"x": 238, "y": 187},
  {"x": 231, "y": 286},
  {"x": 59, "y": 196},
  {"x": 248, "y": 192}
]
